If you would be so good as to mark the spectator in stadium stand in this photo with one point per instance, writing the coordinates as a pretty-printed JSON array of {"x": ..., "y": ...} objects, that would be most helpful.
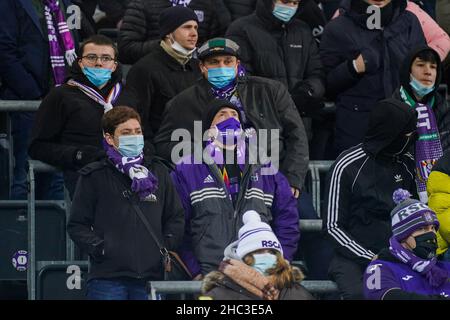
[
  {"x": 254, "y": 268},
  {"x": 436, "y": 37},
  {"x": 358, "y": 195},
  {"x": 438, "y": 188},
  {"x": 103, "y": 220},
  {"x": 140, "y": 30},
  {"x": 276, "y": 45},
  {"x": 409, "y": 269},
  {"x": 263, "y": 103},
  {"x": 167, "y": 70},
  {"x": 31, "y": 64},
  {"x": 362, "y": 53},
  {"x": 420, "y": 77},
  {"x": 225, "y": 183},
  {"x": 67, "y": 132},
  {"x": 309, "y": 12}
]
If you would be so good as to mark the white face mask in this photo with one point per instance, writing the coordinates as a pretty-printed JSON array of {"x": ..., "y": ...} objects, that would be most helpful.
[{"x": 179, "y": 48}]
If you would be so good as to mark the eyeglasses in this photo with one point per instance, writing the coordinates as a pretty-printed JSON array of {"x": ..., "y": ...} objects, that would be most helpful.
[
  {"x": 294, "y": 2},
  {"x": 92, "y": 58}
]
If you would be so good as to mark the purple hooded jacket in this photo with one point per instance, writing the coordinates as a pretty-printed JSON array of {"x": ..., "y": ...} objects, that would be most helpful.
[{"x": 211, "y": 220}]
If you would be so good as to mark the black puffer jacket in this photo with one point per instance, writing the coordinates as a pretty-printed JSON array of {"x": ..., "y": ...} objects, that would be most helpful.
[
  {"x": 152, "y": 82},
  {"x": 361, "y": 182},
  {"x": 140, "y": 25},
  {"x": 280, "y": 51},
  {"x": 267, "y": 105},
  {"x": 104, "y": 224},
  {"x": 114, "y": 9},
  {"x": 441, "y": 107}
]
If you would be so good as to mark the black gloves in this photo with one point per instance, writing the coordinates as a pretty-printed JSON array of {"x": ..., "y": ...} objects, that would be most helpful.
[
  {"x": 87, "y": 154},
  {"x": 307, "y": 104}
]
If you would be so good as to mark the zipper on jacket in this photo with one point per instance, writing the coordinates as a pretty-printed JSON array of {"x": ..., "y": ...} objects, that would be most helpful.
[{"x": 131, "y": 197}]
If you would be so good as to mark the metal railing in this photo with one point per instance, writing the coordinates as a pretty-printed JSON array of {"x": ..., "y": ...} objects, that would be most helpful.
[
  {"x": 38, "y": 166},
  {"x": 194, "y": 287}
]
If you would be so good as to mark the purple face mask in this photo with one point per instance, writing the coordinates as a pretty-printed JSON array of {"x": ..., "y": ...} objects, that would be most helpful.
[{"x": 228, "y": 131}]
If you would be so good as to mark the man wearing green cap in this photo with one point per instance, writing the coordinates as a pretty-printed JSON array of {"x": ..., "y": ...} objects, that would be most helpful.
[{"x": 264, "y": 104}]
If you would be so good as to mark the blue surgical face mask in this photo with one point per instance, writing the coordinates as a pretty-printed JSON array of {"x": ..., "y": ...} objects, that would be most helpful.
[
  {"x": 284, "y": 12},
  {"x": 131, "y": 146},
  {"x": 221, "y": 77},
  {"x": 98, "y": 76},
  {"x": 264, "y": 262},
  {"x": 419, "y": 88},
  {"x": 228, "y": 131}
]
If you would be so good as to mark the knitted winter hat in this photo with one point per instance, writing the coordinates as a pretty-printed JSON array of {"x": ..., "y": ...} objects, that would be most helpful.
[
  {"x": 255, "y": 235},
  {"x": 410, "y": 215},
  {"x": 173, "y": 17}
]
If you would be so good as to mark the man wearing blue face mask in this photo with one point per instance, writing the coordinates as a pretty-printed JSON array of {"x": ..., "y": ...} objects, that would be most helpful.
[
  {"x": 420, "y": 77},
  {"x": 216, "y": 193},
  {"x": 263, "y": 103},
  {"x": 275, "y": 44},
  {"x": 104, "y": 222},
  {"x": 67, "y": 131}
]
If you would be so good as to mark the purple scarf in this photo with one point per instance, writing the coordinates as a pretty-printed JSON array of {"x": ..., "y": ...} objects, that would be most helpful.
[
  {"x": 183, "y": 3},
  {"x": 428, "y": 145},
  {"x": 56, "y": 22},
  {"x": 435, "y": 275},
  {"x": 144, "y": 183}
]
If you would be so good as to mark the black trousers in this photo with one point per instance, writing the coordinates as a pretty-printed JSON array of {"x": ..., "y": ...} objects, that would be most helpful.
[{"x": 348, "y": 276}]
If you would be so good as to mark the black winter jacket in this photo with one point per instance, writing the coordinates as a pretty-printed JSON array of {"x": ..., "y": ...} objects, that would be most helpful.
[
  {"x": 280, "y": 51},
  {"x": 114, "y": 9},
  {"x": 441, "y": 107},
  {"x": 140, "y": 26},
  {"x": 67, "y": 132},
  {"x": 266, "y": 104},
  {"x": 104, "y": 224},
  {"x": 67, "y": 121},
  {"x": 383, "y": 51},
  {"x": 360, "y": 184},
  {"x": 152, "y": 82}
]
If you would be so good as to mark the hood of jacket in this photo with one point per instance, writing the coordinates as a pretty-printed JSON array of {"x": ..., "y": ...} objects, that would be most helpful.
[
  {"x": 348, "y": 8},
  {"x": 389, "y": 119},
  {"x": 77, "y": 74},
  {"x": 405, "y": 70}
]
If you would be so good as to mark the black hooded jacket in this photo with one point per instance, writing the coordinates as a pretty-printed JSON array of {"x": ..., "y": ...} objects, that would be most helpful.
[
  {"x": 362, "y": 180},
  {"x": 441, "y": 107},
  {"x": 286, "y": 52},
  {"x": 68, "y": 121}
]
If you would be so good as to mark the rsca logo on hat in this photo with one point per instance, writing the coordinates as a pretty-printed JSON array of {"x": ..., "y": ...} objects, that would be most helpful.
[{"x": 270, "y": 244}]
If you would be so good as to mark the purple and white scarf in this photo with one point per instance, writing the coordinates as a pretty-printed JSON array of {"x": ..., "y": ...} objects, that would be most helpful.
[
  {"x": 144, "y": 183},
  {"x": 58, "y": 32},
  {"x": 94, "y": 95},
  {"x": 435, "y": 275},
  {"x": 428, "y": 145}
]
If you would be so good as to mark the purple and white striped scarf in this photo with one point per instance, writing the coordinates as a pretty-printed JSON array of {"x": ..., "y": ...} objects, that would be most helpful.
[
  {"x": 94, "y": 95},
  {"x": 144, "y": 183},
  {"x": 183, "y": 3},
  {"x": 435, "y": 275},
  {"x": 58, "y": 32},
  {"x": 428, "y": 145}
]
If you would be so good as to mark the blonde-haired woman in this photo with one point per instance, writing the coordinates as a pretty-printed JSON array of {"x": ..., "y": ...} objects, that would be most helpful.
[{"x": 254, "y": 268}]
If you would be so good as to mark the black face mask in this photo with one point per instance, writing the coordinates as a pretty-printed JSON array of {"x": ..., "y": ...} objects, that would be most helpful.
[
  {"x": 426, "y": 245},
  {"x": 400, "y": 145}
]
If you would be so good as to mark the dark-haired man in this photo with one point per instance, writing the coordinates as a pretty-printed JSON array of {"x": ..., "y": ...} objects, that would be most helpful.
[{"x": 67, "y": 131}]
